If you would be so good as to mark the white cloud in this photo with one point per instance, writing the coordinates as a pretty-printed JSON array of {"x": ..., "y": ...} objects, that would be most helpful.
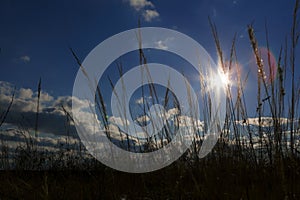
[
  {"x": 118, "y": 121},
  {"x": 265, "y": 121},
  {"x": 6, "y": 88},
  {"x": 25, "y": 93},
  {"x": 184, "y": 121},
  {"x": 24, "y": 105},
  {"x": 25, "y": 59},
  {"x": 52, "y": 119},
  {"x": 117, "y": 134},
  {"x": 140, "y": 101},
  {"x": 147, "y": 100},
  {"x": 161, "y": 45},
  {"x": 173, "y": 111},
  {"x": 45, "y": 97},
  {"x": 143, "y": 119},
  {"x": 140, "y": 4},
  {"x": 149, "y": 15},
  {"x": 146, "y": 8},
  {"x": 25, "y": 99}
]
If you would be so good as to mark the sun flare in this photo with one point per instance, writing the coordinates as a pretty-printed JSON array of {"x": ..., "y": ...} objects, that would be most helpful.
[
  {"x": 219, "y": 80},
  {"x": 224, "y": 78}
]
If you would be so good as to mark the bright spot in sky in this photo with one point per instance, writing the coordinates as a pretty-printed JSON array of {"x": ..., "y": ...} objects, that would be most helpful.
[
  {"x": 224, "y": 78},
  {"x": 218, "y": 80}
]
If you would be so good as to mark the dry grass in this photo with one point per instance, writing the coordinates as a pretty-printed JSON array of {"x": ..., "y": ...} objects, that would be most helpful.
[{"x": 233, "y": 170}]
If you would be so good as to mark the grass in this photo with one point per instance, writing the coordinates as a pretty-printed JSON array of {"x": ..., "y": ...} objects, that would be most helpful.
[
  {"x": 210, "y": 178},
  {"x": 235, "y": 169}
]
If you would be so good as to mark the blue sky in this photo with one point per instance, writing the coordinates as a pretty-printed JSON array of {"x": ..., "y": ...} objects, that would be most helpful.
[
  {"x": 43, "y": 31},
  {"x": 35, "y": 36}
]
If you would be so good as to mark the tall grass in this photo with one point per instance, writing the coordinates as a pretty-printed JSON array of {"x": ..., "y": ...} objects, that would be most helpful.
[{"x": 239, "y": 167}]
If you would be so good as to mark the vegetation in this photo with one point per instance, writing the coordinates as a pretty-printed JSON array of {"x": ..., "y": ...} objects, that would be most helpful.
[{"x": 239, "y": 166}]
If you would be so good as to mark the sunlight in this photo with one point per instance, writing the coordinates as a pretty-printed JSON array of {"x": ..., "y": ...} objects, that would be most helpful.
[
  {"x": 219, "y": 80},
  {"x": 225, "y": 81}
]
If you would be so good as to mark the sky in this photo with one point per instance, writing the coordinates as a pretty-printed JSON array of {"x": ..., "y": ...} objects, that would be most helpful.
[{"x": 35, "y": 38}]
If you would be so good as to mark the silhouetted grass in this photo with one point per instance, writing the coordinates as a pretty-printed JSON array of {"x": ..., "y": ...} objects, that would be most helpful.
[{"x": 237, "y": 168}]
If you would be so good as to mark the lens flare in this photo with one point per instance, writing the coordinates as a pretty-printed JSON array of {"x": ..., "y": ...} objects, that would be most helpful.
[
  {"x": 269, "y": 64},
  {"x": 218, "y": 80},
  {"x": 224, "y": 77}
]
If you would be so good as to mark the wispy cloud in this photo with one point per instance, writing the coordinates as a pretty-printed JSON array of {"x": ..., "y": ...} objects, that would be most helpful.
[
  {"x": 140, "y": 101},
  {"x": 140, "y": 4},
  {"x": 25, "y": 59},
  {"x": 147, "y": 100},
  {"x": 163, "y": 44},
  {"x": 214, "y": 12},
  {"x": 146, "y": 8},
  {"x": 149, "y": 15}
]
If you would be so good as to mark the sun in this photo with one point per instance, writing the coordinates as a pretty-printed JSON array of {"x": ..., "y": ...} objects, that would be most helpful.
[
  {"x": 224, "y": 78},
  {"x": 218, "y": 80}
]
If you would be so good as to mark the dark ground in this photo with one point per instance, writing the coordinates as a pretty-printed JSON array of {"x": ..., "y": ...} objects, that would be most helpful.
[{"x": 207, "y": 179}]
